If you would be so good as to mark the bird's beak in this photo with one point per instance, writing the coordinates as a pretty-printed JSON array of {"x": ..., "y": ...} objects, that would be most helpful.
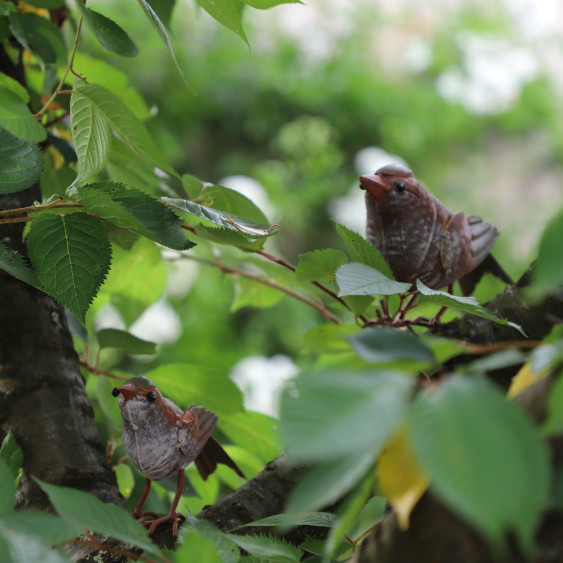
[
  {"x": 128, "y": 391},
  {"x": 374, "y": 185}
]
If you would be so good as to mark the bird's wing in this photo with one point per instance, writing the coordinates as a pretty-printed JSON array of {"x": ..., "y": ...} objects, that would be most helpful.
[
  {"x": 195, "y": 427},
  {"x": 211, "y": 455}
]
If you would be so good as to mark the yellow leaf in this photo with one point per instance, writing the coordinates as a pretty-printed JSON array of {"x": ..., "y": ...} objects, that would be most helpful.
[
  {"x": 524, "y": 378},
  {"x": 400, "y": 477}
]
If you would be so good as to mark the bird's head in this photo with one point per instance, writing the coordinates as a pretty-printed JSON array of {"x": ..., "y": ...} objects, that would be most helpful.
[{"x": 392, "y": 178}]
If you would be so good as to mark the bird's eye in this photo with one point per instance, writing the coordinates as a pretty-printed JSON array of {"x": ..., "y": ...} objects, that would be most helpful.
[
  {"x": 115, "y": 391},
  {"x": 151, "y": 396},
  {"x": 361, "y": 187},
  {"x": 400, "y": 186}
]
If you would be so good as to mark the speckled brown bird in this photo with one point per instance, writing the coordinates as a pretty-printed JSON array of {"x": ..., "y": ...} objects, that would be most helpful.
[
  {"x": 420, "y": 238},
  {"x": 162, "y": 440}
]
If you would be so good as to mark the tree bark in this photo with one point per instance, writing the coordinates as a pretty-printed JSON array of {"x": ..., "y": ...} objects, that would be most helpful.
[{"x": 43, "y": 398}]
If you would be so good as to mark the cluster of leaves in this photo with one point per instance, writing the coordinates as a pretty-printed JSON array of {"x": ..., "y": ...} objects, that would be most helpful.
[{"x": 95, "y": 239}]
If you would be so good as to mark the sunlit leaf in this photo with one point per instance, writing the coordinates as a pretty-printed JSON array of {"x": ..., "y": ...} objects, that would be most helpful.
[
  {"x": 226, "y": 12},
  {"x": 187, "y": 384},
  {"x": 17, "y": 119},
  {"x": 267, "y": 4},
  {"x": 90, "y": 133},
  {"x": 548, "y": 270},
  {"x": 124, "y": 124},
  {"x": 525, "y": 377},
  {"x": 255, "y": 432},
  {"x": 13, "y": 85},
  {"x": 320, "y": 265},
  {"x": 124, "y": 341}
]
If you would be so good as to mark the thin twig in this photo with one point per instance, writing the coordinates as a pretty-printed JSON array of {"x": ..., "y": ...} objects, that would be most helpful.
[
  {"x": 57, "y": 204},
  {"x": 318, "y": 284},
  {"x": 65, "y": 74},
  {"x": 98, "y": 371},
  {"x": 269, "y": 282}
]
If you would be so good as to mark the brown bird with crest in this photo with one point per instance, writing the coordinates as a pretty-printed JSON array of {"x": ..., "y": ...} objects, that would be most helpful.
[{"x": 420, "y": 238}]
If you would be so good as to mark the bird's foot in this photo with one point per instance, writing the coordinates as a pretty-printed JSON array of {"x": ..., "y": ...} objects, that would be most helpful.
[
  {"x": 172, "y": 517},
  {"x": 142, "y": 515}
]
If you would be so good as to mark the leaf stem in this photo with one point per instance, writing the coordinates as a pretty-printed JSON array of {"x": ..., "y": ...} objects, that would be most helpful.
[
  {"x": 318, "y": 284},
  {"x": 271, "y": 283},
  {"x": 58, "y": 89}
]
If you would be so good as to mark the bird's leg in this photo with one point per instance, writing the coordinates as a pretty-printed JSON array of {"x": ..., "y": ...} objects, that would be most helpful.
[
  {"x": 137, "y": 512},
  {"x": 172, "y": 516}
]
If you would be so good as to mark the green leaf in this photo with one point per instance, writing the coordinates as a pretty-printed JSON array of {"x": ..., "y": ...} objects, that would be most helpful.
[
  {"x": 225, "y": 548},
  {"x": 48, "y": 4},
  {"x": 228, "y": 13},
  {"x": 90, "y": 133},
  {"x": 161, "y": 30},
  {"x": 329, "y": 481},
  {"x": 13, "y": 85},
  {"x": 553, "y": 425},
  {"x": 17, "y": 545},
  {"x": 464, "y": 304},
  {"x": 251, "y": 228},
  {"x": 329, "y": 415},
  {"x": 484, "y": 456},
  {"x": 7, "y": 489},
  {"x": 71, "y": 256},
  {"x": 44, "y": 527},
  {"x": 124, "y": 124},
  {"x": 360, "y": 250},
  {"x": 348, "y": 514},
  {"x": 321, "y": 519},
  {"x": 187, "y": 384},
  {"x": 378, "y": 344},
  {"x": 359, "y": 279},
  {"x": 319, "y": 265},
  {"x": 134, "y": 210},
  {"x": 89, "y": 513},
  {"x": 548, "y": 270},
  {"x": 110, "y": 36},
  {"x": 102, "y": 72},
  {"x": 124, "y": 341},
  {"x": 16, "y": 118},
  {"x": 20, "y": 163},
  {"x": 14, "y": 263},
  {"x": 251, "y": 293},
  {"x": 196, "y": 547},
  {"x": 126, "y": 286},
  {"x": 39, "y": 35},
  {"x": 12, "y": 455},
  {"x": 253, "y": 431},
  {"x": 55, "y": 180},
  {"x": 267, "y": 547},
  {"x": 267, "y": 4}
]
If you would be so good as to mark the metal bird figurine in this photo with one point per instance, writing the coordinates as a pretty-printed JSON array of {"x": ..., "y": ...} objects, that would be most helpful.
[
  {"x": 420, "y": 238},
  {"x": 162, "y": 440}
]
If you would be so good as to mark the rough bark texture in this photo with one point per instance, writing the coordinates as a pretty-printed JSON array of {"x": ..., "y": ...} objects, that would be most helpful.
[{"x": 44, "y": 402}]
